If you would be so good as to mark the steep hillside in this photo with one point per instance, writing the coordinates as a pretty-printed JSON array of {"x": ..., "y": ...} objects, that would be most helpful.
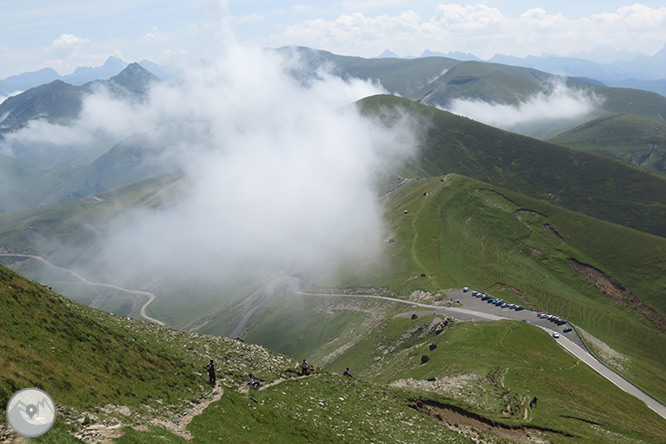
[
  {"x": 110, "y": 369},
  {"x": 582, "y": 182},
  {"x": 113, "y": 378},
  {"x": 453, "y": 231},
  {"x": 629, "y": 137}
]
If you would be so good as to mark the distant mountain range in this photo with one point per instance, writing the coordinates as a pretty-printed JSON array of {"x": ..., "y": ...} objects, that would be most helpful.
[
  {"x": 607, "y": 65},
  {"x": 82, "y": 75}
]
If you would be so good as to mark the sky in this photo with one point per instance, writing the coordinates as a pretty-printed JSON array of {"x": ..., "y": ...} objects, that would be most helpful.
[{"x": 70, "y": 33}]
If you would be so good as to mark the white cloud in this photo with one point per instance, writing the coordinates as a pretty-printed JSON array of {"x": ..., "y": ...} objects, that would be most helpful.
[
  {"x": 66, "y": 44},
  {"x": 558, "y": 103},
  {"x": 155, "y": 36},
  {"x": 277, "y": 175},
  {"x": 482, "y": 30},
  {"x": 3, "y": 98}
]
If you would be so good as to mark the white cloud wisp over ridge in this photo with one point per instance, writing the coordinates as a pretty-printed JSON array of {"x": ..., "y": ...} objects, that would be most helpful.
[{"x": 559, "y": 102}]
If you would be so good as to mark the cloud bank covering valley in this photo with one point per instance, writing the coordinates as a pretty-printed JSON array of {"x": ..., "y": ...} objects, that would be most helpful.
[{"x": 277, "y": 176}]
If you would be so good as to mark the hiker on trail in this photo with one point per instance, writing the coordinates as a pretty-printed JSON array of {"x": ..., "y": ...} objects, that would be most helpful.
[
  {"x": 347, "y": 373},
  {"x": 254, "y": 382},
  {"x": 305, "y": 368},
  {"x": 211, "y": 373}
]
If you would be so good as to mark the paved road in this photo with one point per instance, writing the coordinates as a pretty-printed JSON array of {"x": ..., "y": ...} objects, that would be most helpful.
[
  {"x": 476, "y": 304},
  {"x": 478, "y": 310},
  {"x": 609, "y": 374},
  {"x": 85, "y": 281}
]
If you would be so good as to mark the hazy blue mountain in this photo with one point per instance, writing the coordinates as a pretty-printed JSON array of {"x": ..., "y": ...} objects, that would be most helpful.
[
  {"x": 83, "y": 75},
  {"x": 631, "y": 70},
  {"x": 166, "y": 73},
  {"x": 462, "y": 56},
  {"x": 388, "y": 54},
  {"x": 56, "y": 99},
  {"x": 27, "y": 80},
  {"x": 61, "y": 100}
]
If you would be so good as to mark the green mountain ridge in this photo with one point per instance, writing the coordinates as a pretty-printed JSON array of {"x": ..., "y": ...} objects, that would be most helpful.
[
  {"x": 636, "y": 139},
  {"x": 579, "y": 181}
]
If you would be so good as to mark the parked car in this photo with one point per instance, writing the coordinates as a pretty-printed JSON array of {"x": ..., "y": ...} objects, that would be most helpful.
[
  {"x": 556, "y": 335},
  {"x": 519, "y": 307},
  {"x": 567, "y": 329},
  {"x": 465, "y": 289}
]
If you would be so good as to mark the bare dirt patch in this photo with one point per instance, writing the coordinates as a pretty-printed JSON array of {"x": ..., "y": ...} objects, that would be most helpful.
[
  {"x": 456, "y": 386},
  {"x": 554, "y": 232},
  {"x": 614, "y": 291},
  {"x": 532, "y": 212},
  {"x": 425, "y": 297},
  {"x": 176, "y": 424},
  {"x": 609, "y": 356},
  {"x": 456, "y": 418},
  {"x": 501, "y": 195}
]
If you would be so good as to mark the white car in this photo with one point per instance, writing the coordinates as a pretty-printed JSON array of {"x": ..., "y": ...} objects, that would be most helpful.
[
  {"x": 556, "y": 335},
  {"x": 465, "y": 289}
]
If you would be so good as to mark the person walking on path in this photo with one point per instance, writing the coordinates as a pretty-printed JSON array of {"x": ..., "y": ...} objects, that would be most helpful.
[
  {"x": 305, "y": 368},
  {"x": 211, "y": 373},
  {"x": 347, "y": 373}
]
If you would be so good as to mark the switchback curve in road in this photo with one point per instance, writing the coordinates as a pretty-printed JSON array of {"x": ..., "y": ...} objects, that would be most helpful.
[{"x": 85, "y": 281}]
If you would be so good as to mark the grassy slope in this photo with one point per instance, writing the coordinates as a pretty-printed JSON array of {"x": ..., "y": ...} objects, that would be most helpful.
[
  {"x": 143, "y": 365},
  {"x": 629, "y": 137},
  {"x": 86, "y": 358},
  {"x": 503, "y": 363},
  {"x": 579, "y": 181},
  {"x": 478, "y": 81},
  {"x": 487, "y": 369},
  {"x": 321, "y": 409},
  {"x": 465, "y": 233}
]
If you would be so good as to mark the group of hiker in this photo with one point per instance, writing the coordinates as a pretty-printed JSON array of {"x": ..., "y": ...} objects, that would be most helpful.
[{"x": 254, "y": 382}]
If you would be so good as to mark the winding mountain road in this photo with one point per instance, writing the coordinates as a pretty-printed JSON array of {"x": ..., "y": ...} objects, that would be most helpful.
[
  {"x": 85, "y": 281},
  {"x": 476, "y": 314}
]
